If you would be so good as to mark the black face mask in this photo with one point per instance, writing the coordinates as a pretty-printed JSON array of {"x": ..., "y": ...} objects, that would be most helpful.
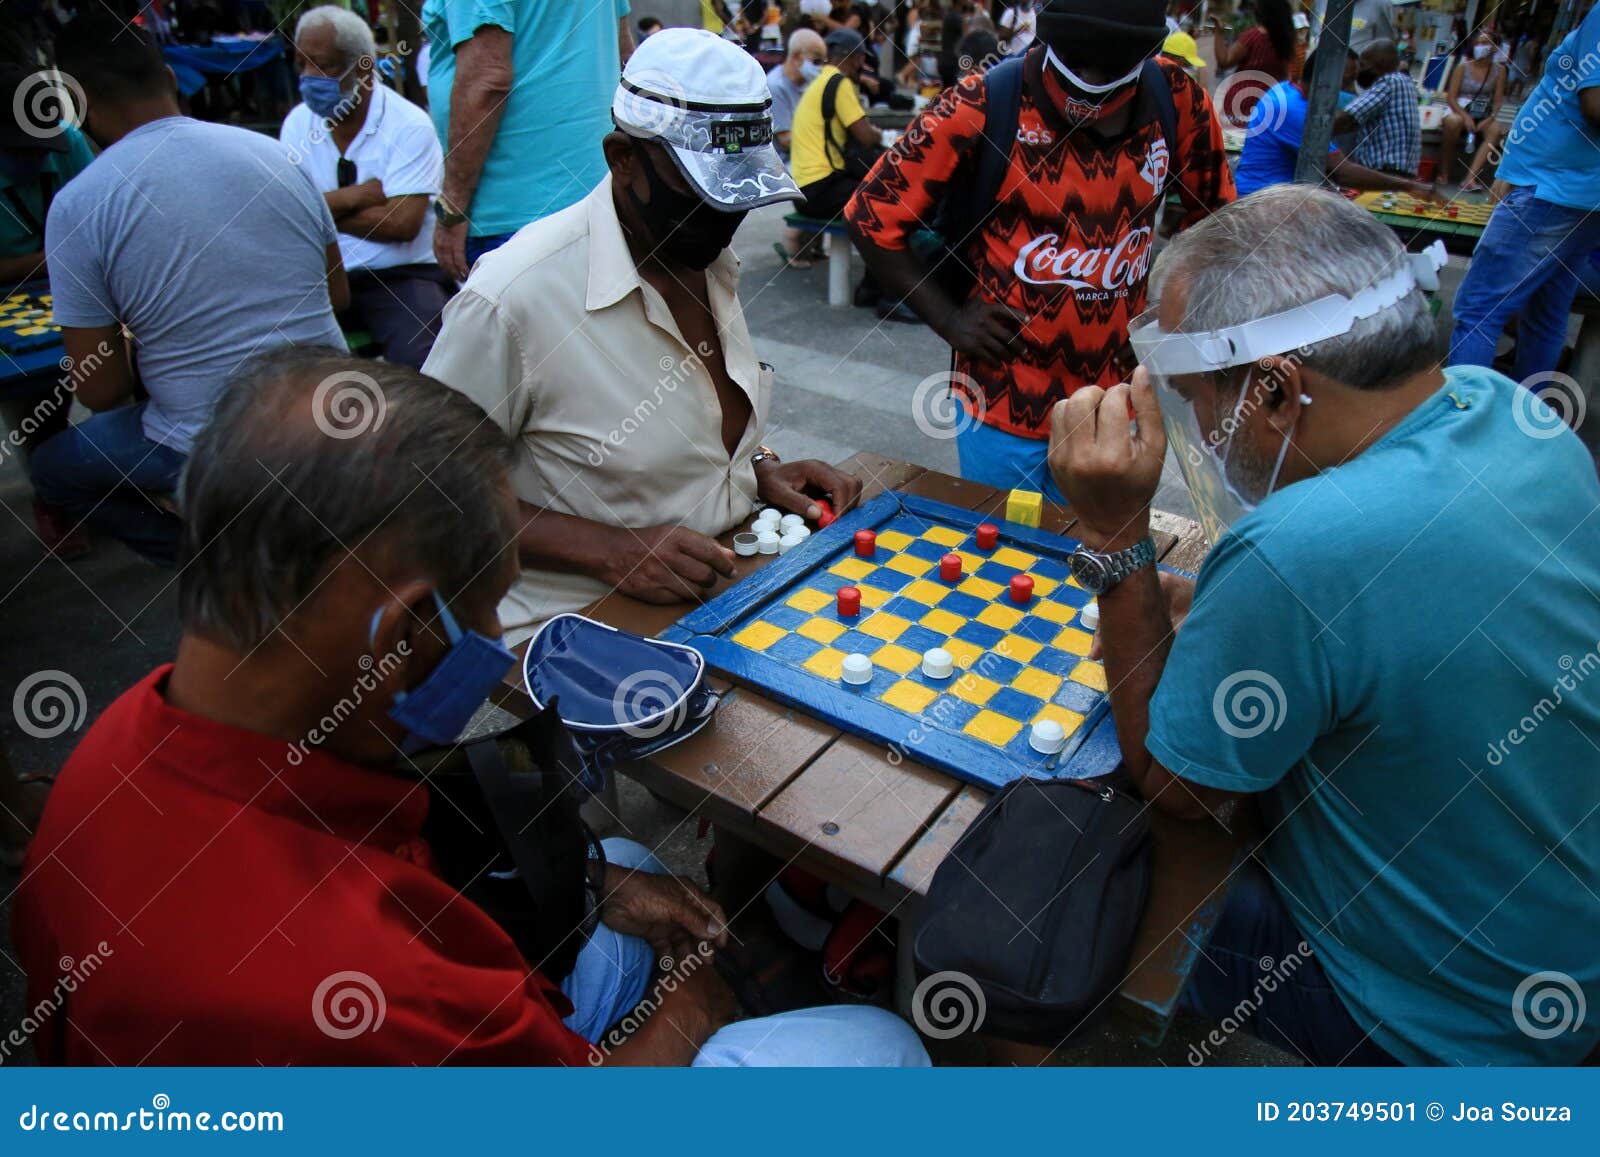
[
  {"x": 683, "y": 229},
  {"x": 1366, "y": 78}
]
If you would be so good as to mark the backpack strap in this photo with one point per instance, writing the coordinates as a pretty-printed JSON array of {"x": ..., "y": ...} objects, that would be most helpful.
[
  {"x": 830, "y": 93},
  {"x": 976, "y": 187},
  {"x": 1002, "y": 87},
  {"x": 1158, "y": 93}
]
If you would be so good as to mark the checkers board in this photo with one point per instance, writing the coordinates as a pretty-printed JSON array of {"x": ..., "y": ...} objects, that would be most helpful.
[
  {"x": 1413, "y": 217},
  {"x": 26, "y": 322},
  {"x": 780, "y": 632}
]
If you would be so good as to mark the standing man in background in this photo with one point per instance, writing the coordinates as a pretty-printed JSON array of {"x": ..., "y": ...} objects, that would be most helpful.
[
  {"x": 520, "y": 95},
  {"x": 1536, "y": 246},
  {"x": 374, "y": 157},
  {"x": 1059, "y": 262}
]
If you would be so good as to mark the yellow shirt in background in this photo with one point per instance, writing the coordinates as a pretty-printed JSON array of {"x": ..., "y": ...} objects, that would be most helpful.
[{"x": 810, "y": 159}]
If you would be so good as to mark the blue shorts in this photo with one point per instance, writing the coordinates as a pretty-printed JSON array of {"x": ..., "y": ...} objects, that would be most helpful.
[{"x": 1008, "y": 461}]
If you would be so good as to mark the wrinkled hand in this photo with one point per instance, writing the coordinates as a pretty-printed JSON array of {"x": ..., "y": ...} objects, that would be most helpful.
[
  {"x": 1108, "y": 471},
  {"x": 795, "y": 486},
  {"x": 1176, "y": 591},
  {"x": 672, "y": 914},
  {"x": 984, "y": 329},
  {"x": 450, "y": 249},
  {"x": 664, "y": 564}
]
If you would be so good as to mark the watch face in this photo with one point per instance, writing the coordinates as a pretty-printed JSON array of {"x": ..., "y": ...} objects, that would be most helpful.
[{"x": 1090, "y": 572}]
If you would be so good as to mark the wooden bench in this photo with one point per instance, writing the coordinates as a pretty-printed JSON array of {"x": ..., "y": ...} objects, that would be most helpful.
[{"x": 838, "y": 253}]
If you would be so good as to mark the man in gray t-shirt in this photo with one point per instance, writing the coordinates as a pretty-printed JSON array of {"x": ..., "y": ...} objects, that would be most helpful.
[{"x": 206, "y": 243}]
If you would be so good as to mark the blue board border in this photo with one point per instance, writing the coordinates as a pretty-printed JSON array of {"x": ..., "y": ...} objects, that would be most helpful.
[{"x": 1094, "y": 751}]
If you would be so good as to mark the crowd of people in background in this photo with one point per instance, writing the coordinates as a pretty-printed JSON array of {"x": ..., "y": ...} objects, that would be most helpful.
[{"x": 511, "y": 277}]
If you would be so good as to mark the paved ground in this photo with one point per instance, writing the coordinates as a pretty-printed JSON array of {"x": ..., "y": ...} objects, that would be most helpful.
[{"x": 844, "y": 383}]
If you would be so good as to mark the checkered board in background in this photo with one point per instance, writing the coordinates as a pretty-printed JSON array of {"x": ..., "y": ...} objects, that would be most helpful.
[
  {"x": 780, "y": 632},
  {"x": 26, "y": 322},
  {"x": 1475, "y": 213}
]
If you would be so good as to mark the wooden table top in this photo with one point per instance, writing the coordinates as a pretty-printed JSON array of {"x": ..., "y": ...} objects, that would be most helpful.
[{"x": 879, "y": 824}]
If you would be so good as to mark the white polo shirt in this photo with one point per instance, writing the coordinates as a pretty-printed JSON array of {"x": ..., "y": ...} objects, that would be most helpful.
[
  {"x": 397, "y": 145},
  {"x": 616, "y": 419}
]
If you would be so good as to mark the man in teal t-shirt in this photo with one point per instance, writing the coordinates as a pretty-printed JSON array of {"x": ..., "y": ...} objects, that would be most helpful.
[
  {"x": 521, "y": 96},
  {"x": 1395, "y": 650}
]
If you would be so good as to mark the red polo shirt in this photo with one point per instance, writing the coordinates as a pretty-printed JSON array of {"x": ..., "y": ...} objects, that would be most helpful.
[{"x": 232, "y": 888}]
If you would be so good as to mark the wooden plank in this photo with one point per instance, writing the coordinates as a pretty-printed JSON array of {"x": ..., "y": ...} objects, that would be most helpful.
[
  {"x": 1191, "y": 547},
  {"x": 751, "y": 748},
  {"x": 915, "y": 870},
  {"x": 878, "y": 473},
  {"x": 955, "y": 491},
  {"x": 1190, "y": 869},
  {"x": 859, "y": 807}
]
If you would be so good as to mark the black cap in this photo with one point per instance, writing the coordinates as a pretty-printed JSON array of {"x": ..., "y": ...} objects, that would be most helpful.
[
  {"x": 843, "y": 42},
  {"x": 1116, "y": 35}
]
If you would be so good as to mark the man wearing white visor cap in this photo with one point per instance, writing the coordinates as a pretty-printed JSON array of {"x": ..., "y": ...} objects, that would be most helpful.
[
  {"x": 1386, "y": 648},
  {"x": 608, "y": 340}
]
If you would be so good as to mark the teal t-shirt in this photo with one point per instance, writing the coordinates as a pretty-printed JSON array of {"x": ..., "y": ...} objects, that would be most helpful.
[
  {"x": 1552, "y": 145},
  {"x": 566, "y": 63},
  {"x": 22, "y": 209},
  {"x": 1402, "y": 655}
]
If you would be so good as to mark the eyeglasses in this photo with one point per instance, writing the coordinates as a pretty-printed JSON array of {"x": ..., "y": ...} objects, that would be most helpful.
[{"x": 346, "y": 171}]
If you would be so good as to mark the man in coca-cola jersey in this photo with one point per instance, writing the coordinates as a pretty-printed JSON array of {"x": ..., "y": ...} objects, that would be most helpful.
[{"x": 1061, "y": 261}]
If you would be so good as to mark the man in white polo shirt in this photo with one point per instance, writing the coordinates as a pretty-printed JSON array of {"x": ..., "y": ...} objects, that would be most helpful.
[
  {"x": 376, "y": 159},
  {"x": 608, "y": 339}
]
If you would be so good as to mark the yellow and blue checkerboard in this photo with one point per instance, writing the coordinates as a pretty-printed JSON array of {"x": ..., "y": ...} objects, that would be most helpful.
[
  {"x": 26, "y": 322},
  {"x": 780, "y": 632}
]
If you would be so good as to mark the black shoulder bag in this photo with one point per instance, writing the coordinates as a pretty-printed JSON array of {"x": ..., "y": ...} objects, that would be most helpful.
[
  {"x": 504, "y": 828},
  {"x": 1038, "y": 904}
]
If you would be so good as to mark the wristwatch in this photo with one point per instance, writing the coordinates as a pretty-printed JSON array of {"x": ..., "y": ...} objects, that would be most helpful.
[
  {"x": 1098, "y": 572},
  {"x": 763, "y": 454},
  {"x": 446, "y": 213}
]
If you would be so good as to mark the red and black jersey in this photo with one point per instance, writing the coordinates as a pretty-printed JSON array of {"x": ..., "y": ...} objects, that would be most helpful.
[{"x": 1071, "y": 237}]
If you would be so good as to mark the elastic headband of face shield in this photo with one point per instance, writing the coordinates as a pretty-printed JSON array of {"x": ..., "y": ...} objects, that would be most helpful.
[{"x": 1166, "y": 354}]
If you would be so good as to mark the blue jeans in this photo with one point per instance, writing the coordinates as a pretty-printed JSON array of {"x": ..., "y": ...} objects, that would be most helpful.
[
  {"x": 99, "y": 472},
  {"x": 1257, "y": 973},
  {"x": 613, "y": 971},
  {"x": 1008, "y": 461},
  {"x": 1528, "y": 265},
  {"x": 478, "y": 246}
]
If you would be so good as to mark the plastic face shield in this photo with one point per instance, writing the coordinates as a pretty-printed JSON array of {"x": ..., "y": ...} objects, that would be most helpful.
[{"x": 1183, "y": 366}]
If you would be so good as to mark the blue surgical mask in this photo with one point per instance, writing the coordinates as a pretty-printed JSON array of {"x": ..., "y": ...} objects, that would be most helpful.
[
  {"x": 325, "y": 95},
  {"x": 810, "y": 69},
  {"x": 437, "y": 710}
]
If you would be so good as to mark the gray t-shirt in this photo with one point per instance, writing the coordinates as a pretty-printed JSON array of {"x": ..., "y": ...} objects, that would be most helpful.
[
  {"x": 208, "y": 243},
  {"x": 1371, "y": 20},
  {"x": 785, "y": 95}
]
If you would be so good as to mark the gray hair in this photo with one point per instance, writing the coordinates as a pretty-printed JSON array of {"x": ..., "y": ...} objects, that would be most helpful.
[
  {"x": 311, "y": 455},
  {"x": 352, "y": 34},
  {"x": 1290, "y": 245}
]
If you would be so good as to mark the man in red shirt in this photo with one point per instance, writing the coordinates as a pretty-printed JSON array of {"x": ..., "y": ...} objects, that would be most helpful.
[
  {"x": 234, "y": 867},
  {"x": 1060, "y": 263}
]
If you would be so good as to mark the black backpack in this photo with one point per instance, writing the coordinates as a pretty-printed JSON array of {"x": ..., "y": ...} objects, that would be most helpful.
[
  {"x": 1036, "y": 907},
  {"x": 857, "y": 159},
  {"x": 975, "y": 188},
  {"x": 504, "y": 829}
]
